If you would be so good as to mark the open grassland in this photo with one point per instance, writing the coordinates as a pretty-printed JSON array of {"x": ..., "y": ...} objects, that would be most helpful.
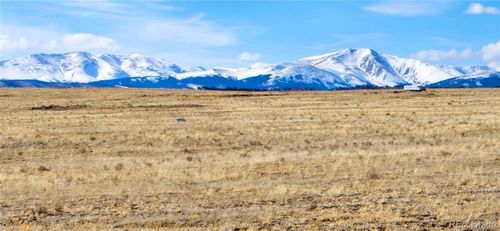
[{"x": 84, "y": 159}]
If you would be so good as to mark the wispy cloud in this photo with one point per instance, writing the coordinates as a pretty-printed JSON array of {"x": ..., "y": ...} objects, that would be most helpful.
[
  {"x": 478, "y": 8},
  {"x": 249, "y": 56},
  {"x": 150, "y": 20},
  {"x": 106, "y": 6},
  {"x": 408, "y": 8},
  {"x": 113, "y": 8},
  {"x": 194, "y": 30},
  {"x": 130, "y": 23},
  {"x": 445, "y": 41},
  {"x": 438, "y": 55}
]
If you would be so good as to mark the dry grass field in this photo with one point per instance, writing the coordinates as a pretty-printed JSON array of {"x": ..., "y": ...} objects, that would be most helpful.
[{"x": 102, "y": 159}]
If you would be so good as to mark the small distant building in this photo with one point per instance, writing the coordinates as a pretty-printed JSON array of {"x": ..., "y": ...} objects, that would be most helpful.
[{"x": 413, "y": 88}]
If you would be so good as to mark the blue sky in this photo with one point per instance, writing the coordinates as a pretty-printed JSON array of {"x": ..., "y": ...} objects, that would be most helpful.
[{"x": 239, "y": 33}]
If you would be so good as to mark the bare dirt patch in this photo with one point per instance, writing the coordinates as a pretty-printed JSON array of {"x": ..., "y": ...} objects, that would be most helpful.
[
  {"x": 54, "y": 107},
  {"x": 163, "y": 106}
]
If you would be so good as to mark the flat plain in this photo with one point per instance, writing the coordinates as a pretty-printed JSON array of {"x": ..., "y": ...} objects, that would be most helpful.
[{"x": 136, "y": 159}]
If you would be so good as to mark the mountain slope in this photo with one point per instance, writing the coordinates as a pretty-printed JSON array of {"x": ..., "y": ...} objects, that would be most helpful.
[
  {"x": 379, "y": 69},
  {"x": 490, "y": 80},
  {"x": 343, "y": 69},
  {"x": 360, "y": 66},
  {"x": 84, "y": 67}
]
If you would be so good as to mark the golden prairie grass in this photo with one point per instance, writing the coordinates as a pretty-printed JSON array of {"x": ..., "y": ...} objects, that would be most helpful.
[{"x": 100, "y": 159}]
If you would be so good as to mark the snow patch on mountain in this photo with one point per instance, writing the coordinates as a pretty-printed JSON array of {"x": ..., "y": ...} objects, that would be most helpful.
[
  {"x": 470, "y": 81},
  {"x": 84, "y": 67},
  {"x": 347, "y": 68}
]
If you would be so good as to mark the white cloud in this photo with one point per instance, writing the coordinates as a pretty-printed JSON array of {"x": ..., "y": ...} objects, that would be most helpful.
[
  {"x": 478, "y": 8},
  {"x": 88, "y": 41},
  {"x": 142, "y": 26},
  {"x": 7, "y": 43},
  {"x": 438, "y": 55},
  {"x": 408, "y": 8},
  {"x": 22, "y": 41},
  {"x": 249, "y": 56},
  {"x": 491, "y": 54},
  {"x": 195, "y": 30},
  {"x": 15, "y": 38}
]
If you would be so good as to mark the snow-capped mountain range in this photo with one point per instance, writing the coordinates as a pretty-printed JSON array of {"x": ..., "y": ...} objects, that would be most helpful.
[
  {"x": 83, "y": 67},
  {"x": 348, "y": 68}
]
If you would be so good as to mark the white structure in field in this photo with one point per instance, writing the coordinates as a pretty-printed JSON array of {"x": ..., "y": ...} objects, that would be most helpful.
[{"x": 413, "y": 88}]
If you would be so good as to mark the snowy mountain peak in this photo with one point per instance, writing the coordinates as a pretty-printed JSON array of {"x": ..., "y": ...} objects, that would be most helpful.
[
  {"x": 136, "y": 56},
  {"x": 359, "y": 63},
  {"x": 387, "y": 70},
  {"x": 347, "y": 68},
  {"x": 84, "y": 67},
  {"x": 348, "y": 53}
]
